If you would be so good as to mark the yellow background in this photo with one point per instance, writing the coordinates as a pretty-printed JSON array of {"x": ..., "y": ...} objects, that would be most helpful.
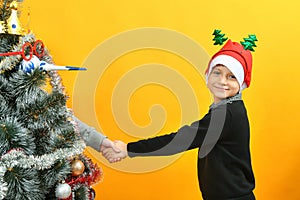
[{"x": 71, "y": 29}]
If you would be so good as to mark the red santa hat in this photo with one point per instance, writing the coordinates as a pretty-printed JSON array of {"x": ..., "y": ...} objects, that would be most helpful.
[{"x": 236, "y": 57}]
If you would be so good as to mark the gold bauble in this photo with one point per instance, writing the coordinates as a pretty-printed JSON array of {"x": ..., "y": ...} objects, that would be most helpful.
[{"x": 77, "y": 167}]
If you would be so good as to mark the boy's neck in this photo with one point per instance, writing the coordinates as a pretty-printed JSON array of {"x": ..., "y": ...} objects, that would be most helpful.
[{"x": 236, "y": 97}]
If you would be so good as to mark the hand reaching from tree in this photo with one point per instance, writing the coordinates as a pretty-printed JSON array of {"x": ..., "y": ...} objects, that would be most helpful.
[
  {"x": 108, "y": 144},
  {"x": 113, "y": 156}
]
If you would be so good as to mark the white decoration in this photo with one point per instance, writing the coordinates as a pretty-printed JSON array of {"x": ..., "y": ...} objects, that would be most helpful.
[
  {"x": 35, "y": 62},
  {"x": 63, "y": 191}
]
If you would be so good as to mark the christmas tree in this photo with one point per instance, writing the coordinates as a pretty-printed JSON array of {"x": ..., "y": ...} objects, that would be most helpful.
[{"x": 41, "y": 152}]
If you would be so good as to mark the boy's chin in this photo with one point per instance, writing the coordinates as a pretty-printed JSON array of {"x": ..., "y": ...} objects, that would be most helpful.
[{"x": 222, "y": 97}]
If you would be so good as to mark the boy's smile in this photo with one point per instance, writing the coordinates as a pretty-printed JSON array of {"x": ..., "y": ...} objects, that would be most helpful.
[{"x": 222, "y": 83}]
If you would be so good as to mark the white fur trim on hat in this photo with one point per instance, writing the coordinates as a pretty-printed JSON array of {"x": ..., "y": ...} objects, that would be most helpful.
[{"x": 232, "y": 64}]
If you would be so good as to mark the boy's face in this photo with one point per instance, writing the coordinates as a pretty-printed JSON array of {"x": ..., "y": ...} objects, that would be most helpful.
[{"x": 222, "y": 83}]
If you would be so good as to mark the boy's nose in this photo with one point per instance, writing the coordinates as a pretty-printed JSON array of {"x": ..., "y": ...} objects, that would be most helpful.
[{"x": 223, "y": 80}]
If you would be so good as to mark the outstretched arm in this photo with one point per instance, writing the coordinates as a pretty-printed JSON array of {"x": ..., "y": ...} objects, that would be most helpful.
[{"x": 93, "y": 138}]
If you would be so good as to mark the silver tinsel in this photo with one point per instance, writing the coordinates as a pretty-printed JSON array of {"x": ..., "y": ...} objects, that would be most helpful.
[
  {"x": 54, "y": 76},
  {"x": 16, "y": 158},
  {"x": 56, "y": 82},
  {"x": 3, "y": 185}
]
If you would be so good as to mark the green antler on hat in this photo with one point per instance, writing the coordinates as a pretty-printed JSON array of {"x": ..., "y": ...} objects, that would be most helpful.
[
  {"x": 249, "y": 42},
  {"x": 219, "y": 37},
  {"x": 234, "y": 56}
]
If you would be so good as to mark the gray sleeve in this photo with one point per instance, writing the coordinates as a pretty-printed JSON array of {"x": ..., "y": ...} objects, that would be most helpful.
[{"x": 90, "y": 135}]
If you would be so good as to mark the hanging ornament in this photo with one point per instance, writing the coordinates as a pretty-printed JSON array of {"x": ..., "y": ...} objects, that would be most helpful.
[
  {"x": 92, "y": 194},
  {"x": 63, "y": 191},
  {"x": 13, "y": 23},
  {"x": 32, "y": 62},
  {"x": 77, "y": 167}
]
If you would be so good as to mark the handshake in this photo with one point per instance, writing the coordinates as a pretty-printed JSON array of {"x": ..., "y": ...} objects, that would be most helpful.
[{"x": 113, "y": 151}]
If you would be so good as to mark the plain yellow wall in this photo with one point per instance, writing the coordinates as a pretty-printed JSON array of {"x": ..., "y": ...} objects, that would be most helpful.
[{"x": 73, "y": 30}]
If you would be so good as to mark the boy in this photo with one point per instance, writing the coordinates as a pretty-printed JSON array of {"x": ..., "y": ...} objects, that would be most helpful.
[{"x": 222, "y": 135}]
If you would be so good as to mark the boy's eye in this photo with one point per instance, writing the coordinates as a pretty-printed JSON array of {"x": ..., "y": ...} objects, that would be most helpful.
[
  {"x": 232, "y": 77},
  {"x": 216, "y": 72}
]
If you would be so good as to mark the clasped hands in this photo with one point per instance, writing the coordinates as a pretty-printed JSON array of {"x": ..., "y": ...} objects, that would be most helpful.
[{"x": 113, "y": 151}]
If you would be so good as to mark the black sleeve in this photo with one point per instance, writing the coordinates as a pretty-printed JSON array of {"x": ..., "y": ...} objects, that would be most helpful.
[{"x": 187, "y": 137}]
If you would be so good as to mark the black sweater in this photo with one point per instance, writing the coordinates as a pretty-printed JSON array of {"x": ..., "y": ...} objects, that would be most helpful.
[{"x": 224, "y": 164}]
